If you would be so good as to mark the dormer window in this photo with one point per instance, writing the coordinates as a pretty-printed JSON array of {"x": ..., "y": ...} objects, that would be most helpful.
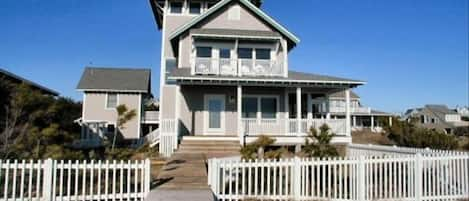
[
  {"x": 175, "y": 7},
  {"x": 195, "y": 8}
]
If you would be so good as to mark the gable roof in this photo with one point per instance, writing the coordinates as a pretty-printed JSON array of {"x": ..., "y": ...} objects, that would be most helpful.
[
  {"x": 18, "y": 79},
  {"x": 115, "y": 79},
  {"x": 246, "y": 3}
]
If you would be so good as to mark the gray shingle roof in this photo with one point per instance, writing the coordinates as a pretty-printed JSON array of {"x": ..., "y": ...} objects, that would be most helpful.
[
  {"x": 235, "y": 32},
  {"x": 18, "y": 79},
  {"x": 115, "y": 79}
]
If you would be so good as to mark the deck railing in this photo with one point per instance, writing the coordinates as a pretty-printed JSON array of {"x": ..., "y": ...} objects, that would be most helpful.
[
  {"x": 352, "y": 109},
  {"x": 253, "y": 126},
  {"x": 74, "y": 180},
  {"x": 234, "y": 67},
  {"x": 151, "y": 116}
]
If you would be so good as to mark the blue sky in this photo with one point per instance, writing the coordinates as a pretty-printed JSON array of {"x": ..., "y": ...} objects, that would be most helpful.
[{"x": 411, "y": 52}]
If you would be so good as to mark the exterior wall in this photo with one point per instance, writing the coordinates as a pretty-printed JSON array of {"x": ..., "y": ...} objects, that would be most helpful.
[
  {"x": 192, "y": 106},
  {"x": 248, "y": 20},
  {"x": 169, "y": 99},
  {"x": 95, "y": 110}
]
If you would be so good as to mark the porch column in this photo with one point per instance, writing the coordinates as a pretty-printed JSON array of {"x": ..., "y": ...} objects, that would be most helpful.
[
  {"x": 328, "y": 107},
  {"x": 348, "y": 129},
  {"x": 298, "y": 110},
  {"x": 310, "y": 106},
  {"x": 287, "y": 112},
  {"x": 390, "y": 121},
  {"x": 372, "y": 122},
  {"x": 354, "y": 124},
  {"x": 239, "y": 93}
]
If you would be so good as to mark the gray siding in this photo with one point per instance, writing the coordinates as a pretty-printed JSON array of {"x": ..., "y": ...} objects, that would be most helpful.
[{"x": 192, "y": 106}]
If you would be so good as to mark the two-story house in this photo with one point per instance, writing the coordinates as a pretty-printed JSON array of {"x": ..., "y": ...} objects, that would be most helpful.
[
  {"x": 438, "y": 117},
  {"x": 103, "y": 90},
  {"x": 225, "y": 75}
]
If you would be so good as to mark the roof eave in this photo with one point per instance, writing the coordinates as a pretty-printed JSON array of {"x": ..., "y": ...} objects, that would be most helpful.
[{"x": 112, "y": 90}]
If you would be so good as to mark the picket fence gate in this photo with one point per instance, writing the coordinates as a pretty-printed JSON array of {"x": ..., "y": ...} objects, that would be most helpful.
[
  {"x": 416, "y": 177},
  {"x": 53, "y": 180}
]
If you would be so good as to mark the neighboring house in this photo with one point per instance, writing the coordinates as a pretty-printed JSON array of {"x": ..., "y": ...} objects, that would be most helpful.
[
  {"x": 463, "y": 111},
  {"x": 438, "y": 117},
  {"x": 16, "y": 79},
  {"x": 225, "y": 75},
  {"x": 362, "y": 117},
  {"x": 103, "y": 90}
]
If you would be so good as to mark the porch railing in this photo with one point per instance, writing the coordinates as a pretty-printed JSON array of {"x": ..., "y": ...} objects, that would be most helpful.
[
  {"x": 151, "y": 116},
  {"x": 290, "y": 126},
  {"x": 352, "y": 109},
  {"x": 247, "y": 67}
]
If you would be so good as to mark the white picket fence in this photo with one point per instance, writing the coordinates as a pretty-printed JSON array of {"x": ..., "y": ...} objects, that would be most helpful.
[
  {"x": 355, "y": 150},
  {"x": 53, "y": 180},
  {"x": 410, "y": 177}
]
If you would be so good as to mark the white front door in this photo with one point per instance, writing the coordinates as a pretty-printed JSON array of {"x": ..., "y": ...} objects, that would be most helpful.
[{"x": 214, "y": 117}]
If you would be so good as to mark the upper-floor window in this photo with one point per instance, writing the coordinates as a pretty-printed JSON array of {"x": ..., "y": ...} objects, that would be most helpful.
[
  {"x": 225, "y": 53},
  {"x": 111, "y": 100},
  {"x": 175, "y": 7},
  {"x": 195, "y": 7},
  {"x": 204, "y": 52},
  {"x": 263, "y": 53},
  {"x": 245, "y": 53}
]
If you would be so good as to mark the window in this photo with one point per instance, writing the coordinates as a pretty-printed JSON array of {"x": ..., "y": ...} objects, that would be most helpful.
[
  {"x": 175, "y": 7},
  {"x": 245, "y": 53},
  {"x": 249, "y": 108},
  {"x": 194, "y": 7},
  {"x": 268, "y": 108},
  {"x": 111, "y": 128},
  {"x": 225, "y": 53},
  {"x": 204, "y": 52},
  {"x": 263, "y": 54},
  {"x": 111, "y": 100}
]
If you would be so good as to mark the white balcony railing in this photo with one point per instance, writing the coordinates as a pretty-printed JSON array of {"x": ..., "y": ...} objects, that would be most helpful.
[
  {"x": 247, "y": 67},
  {"x": 290, "y": 126},
  {"x": 352, "y": 109},
  {"x": 151, "y": 116}
]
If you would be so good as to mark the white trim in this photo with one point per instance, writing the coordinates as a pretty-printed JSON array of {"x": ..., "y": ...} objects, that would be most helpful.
[
  {"x": 211, "y": 131},
  {"x": 162, "y": 61},
  {"x": 219, "y": 5},
  {"x": 139, "y": 115},
  {"x": 83, "y": 108},
  {"x": 237, "y": 36},
  {"x": 239, "y": 110},
  {"x": 106, "y": 106},
  {"x": 264, "y": 80}
]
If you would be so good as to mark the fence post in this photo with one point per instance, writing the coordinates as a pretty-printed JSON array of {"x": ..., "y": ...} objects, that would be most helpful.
[
  {"x": 47, "y": 182},
  {"x": 147, "y": 176},
  {"x": 297, "y": 178},
  {"x": 361, "y": 178},
  {"x": 418, "y": 177}
]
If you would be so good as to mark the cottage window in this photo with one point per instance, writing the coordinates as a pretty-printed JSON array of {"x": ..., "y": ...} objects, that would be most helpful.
[
  {"x": 263, "y": 54},
  {"x": 195, "y": 7},
  {"x": 245, "y": 53},
  {"x": 268, "y": 108},
  {"x": 249, "y": 108},
  {"x": 204, "y": 52},
  {"x": 175, "y": 7},
  {"x": 111, "y": 100}
]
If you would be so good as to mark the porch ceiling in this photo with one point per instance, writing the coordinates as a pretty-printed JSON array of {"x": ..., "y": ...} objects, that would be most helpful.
[{"x": 295, "y": 79}]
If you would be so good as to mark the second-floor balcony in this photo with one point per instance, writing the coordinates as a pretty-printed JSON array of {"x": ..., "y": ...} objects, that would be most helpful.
[{"x": 237, "y": 67}]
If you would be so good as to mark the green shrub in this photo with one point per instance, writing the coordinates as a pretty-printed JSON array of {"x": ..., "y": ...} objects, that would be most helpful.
[{"x": 318, "y": 144}]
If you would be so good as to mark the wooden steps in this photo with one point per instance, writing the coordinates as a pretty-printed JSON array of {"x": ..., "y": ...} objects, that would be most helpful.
[{"x": 209, "y": 147}]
